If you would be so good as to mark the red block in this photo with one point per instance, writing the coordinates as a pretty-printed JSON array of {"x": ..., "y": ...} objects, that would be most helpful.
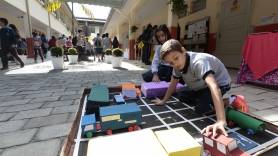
[{"x": 221, "y": 145}]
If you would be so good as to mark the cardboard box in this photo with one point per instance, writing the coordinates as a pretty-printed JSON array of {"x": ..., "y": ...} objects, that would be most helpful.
[
  {"x": 178, "y": 142},
  {"x": 137, "y": 143}
]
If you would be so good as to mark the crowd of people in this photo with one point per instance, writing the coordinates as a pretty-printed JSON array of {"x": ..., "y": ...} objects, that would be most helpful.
[{"x": 12, "y": 44}]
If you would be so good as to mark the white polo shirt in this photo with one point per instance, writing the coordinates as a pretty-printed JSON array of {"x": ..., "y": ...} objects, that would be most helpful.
[{"x": 197, "y": 68}]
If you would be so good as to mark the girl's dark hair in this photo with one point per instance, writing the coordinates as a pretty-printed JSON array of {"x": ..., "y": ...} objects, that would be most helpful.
[{"x": 165, "y": 30}]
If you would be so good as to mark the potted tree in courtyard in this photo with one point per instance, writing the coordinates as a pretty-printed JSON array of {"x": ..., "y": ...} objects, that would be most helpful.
[
  {"x": 57, "y": 57},
  {"x": 72, "y": 55},
  {"x": 108, "y": 55},
  {"x": 117, "y": 57}
]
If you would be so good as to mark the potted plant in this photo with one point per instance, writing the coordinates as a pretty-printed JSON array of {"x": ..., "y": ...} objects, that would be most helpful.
[
  {"x": 108, "y": 55},
  {"x": 57, "y": 57},
  {"x": 72, "y": 55},
  {"x": 117, "y": 57}
]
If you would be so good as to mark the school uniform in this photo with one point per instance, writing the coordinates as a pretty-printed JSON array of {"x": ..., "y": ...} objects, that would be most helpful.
[
  {"x": 198, "y": 66},
  {"x": 159, "y": 67}
]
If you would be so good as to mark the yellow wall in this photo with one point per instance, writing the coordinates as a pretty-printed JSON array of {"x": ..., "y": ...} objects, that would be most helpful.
[
  {"x": 212, "y": 10},
  {"x": 263, "y": 8}
]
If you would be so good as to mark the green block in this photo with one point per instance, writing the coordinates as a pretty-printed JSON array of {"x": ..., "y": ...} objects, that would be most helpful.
[{"x": 99, "y": 93}]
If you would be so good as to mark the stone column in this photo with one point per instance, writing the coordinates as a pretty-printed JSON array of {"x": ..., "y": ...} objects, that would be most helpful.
[
  {"x": 172, "y": 22},
  {"x": 28, "y": 28}
]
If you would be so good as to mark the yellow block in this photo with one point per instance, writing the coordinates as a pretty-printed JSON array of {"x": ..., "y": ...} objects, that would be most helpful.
[
  {"x": 178, "y": 142},
  {"x": 137, "y": 143}
]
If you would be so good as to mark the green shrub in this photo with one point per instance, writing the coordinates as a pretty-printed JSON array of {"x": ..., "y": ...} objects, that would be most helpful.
[
  {"x": 117, "y": 52},
  {"x": 72, "y": 51},
  {"x": 108, "y": 52},
  {"x": 57, "y": 51}
]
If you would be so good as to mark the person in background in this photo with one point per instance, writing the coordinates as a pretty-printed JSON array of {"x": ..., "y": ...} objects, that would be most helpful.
[
  {"x": 7, "y": 43},
  {"x": 52, "y": 42},
  {"x": 115, "y": 43},
  {"x": 98, "y": 46},
  {"x": 69, "y": 42},
  {"x": 44, "y": 44},
  {"x": 37, "y": 46}
]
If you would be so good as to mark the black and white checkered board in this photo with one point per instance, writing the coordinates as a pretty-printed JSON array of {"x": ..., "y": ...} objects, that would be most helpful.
[{"x": 178, "y": 114}]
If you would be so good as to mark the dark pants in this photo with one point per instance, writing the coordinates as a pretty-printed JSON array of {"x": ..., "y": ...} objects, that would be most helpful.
[
  {"x": 4, "y": 56},
  {"x": 37, "y": 51},
  {"x": 201, "y": 99},
  {"x": 164, "y": 74},
  {"x": 146, "y": 54}
]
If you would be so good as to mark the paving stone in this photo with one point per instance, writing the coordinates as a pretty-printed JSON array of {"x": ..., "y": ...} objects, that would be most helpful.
[
  {"x": 7, "y": 93},
  {"x": 65, "y": 93},
  {"x": 2, "y": 109},
  {"x": 6, "y": 116},
  {"x": 54, "y": 131},
  {"x": 65, "y": 109},
  {"x": 45, "y": 99},
  {"x": 271, "y": 95},
  {"x": 11, "y": 126},
  {"x": 43, "y": 148},
  {"x": 40, "y": 95},
  {"x": 270, "y": 115},
  {"x": 71, "y": 117},
  {"x": 260, "y": 105},
  {"x": 58, "y": 103},
  {"x": 24, "y": 107},
  {"x": 16, "y": 138},
  {"x": 46, "y": 121},
  {"x": 27, "y": 92},
  {"x": 32, "y": 113},
  {"x": 71, "y": 97},
  {"x": 15, "y": 102}
]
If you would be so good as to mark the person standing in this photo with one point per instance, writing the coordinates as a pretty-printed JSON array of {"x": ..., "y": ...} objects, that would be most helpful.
[
  {"x": 98, "y": 46},
  {"x": 37, "y": 46},
  {"x": 115, "y": 43},
  {"x": 7, "y": 43}
]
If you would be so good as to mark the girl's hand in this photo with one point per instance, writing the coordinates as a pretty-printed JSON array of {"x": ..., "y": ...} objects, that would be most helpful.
[
  {"x": 157, "y": 101},
  {"x": 155, "y": 78}
]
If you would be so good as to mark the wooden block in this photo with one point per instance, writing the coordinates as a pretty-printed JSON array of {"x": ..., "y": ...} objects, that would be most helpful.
[
  {"x": 128, "y": 85},
  {"x": 120, "y": 116},
  {"x": 220, "y": 145},
  {"x": 119, "y": 99},
  {"x": 178, "y": 142},
  {"x": 137, "y": 143},
  {"x": 99, "y": 93}
]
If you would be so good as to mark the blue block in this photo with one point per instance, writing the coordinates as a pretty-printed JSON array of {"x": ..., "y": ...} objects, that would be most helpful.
[
  {"x": 119, "y": 99},
  {"x": 88, "y": 123},
  {"x": 120, "y": 116}
]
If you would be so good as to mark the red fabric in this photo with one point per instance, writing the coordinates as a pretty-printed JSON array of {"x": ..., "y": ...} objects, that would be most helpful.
[{"x": 260, "y": 51}]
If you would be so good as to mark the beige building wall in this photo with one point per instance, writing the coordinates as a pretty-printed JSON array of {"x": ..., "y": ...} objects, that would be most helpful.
[
  {"x": 212, "y": 10},
  {"x": 263, "y": 9}
]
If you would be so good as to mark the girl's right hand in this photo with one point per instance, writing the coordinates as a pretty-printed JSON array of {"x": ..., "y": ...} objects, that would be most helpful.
[{"x": 157, "y": 101}]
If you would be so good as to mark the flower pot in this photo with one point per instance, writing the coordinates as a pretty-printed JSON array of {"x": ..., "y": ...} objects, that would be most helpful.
[
  {"x": 58, "y": 62},
  {"x": 73, "y": 59},
  {"x": 108, "y": 58},
  {"x": 116, "y": 61}
]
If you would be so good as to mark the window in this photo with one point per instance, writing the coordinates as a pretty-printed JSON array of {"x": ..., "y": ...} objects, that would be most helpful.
[{"x": 198, "y": 5}]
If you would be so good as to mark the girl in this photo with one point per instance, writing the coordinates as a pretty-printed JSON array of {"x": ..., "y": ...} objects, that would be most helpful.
[{"x": 160, "y": 71}]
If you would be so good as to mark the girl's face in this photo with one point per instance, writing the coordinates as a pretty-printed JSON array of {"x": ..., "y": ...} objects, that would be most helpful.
[{"x": 161, "y": 36}]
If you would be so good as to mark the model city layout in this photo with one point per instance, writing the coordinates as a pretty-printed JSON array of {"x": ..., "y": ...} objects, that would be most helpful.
[{"x": 103, "y": 117}]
